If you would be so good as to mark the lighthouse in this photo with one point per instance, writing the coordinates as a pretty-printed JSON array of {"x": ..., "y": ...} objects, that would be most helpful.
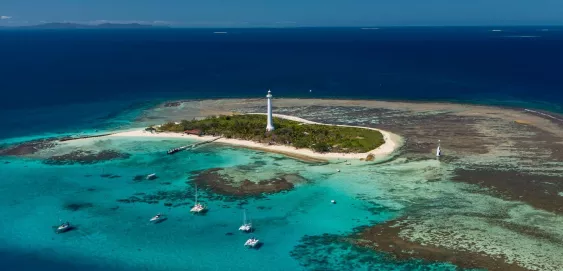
[{"x": 270, "y": 125}]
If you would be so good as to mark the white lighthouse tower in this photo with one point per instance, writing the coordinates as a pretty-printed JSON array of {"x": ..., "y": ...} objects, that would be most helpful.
[{"x": 270, "y": 125}]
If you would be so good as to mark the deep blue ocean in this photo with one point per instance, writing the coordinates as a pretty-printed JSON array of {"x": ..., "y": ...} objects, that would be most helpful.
[
  {"x": 44, "y": 73},
  {"x": 76, "y": 81}
]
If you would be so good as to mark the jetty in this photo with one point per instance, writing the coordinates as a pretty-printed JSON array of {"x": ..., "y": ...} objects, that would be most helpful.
[{"x": 191, "y": 146}]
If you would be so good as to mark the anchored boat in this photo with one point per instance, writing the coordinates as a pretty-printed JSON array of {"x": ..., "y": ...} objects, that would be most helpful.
[
  {"x": 252, "y": 243},
  {"x": 246, "y": 227},
  {"x": 198, "y": 207},
  {"x": 64, "y": 227}
]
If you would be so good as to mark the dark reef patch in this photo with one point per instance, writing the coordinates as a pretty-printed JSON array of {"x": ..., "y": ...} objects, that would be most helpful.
[
  {"x": 385, "y": 238},
  {"x": 27, "y": 148},
  {"x": 139, "y": 178},
  {"x": 169, "y": 196},
  {"x": 77, "y": 206},
  {"x": 215, "y": 182},
  {"x": 334, "y": 252},
  {"x": 173, "y": 104},
  {"x": 540, "y": 191},
  {"x": 110, "y": 176},
  {"x": 85, "y": 157}
]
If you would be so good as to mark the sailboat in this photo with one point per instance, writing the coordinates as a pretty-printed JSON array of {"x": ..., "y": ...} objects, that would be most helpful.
[
  {"x": 438, "y": 150},
  {"x": 246, "y": 227},
  {"x": 198, "y": 207}
]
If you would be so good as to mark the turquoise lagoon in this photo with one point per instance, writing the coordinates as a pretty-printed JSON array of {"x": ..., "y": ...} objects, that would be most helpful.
[{"x": 299, "y": 228}]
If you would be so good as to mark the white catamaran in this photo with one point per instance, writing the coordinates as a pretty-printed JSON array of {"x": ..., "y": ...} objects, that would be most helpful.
[
  {"x": 246, "y": 226},
  {"x": 198, "y": 207},
  {"x": 252, "y": 243}
]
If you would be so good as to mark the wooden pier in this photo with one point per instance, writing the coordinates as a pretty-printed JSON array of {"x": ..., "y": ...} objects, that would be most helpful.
[{"x": 179, "y": 149}]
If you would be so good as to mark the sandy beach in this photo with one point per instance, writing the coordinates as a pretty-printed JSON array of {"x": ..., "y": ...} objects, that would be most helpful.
[{"x": 392, "y": 142}]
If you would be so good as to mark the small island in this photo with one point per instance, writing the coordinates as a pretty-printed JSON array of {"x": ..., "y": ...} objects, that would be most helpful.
[
  {"x": 317, "y": 137},
  {"x": 288, "y": 135}
]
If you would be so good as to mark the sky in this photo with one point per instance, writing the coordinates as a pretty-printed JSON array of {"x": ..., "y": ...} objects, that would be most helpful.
[{"x": 248, "y": 13}]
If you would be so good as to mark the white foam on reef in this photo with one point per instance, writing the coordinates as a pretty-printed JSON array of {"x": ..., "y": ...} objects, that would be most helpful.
[{"x": 543, "y": 114}]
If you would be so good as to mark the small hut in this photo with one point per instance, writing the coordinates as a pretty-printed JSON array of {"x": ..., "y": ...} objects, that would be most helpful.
[{"x": 196, "y": 132}]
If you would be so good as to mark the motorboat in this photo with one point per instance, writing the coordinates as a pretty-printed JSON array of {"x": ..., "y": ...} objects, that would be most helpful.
[
  {"x": 157, "y": 218},
  {"x": 252, "y": 242},
  {"x": 333, "y": 201},
  {"x": 64, "y": 227},
  {"x": 246, "y": 226}
]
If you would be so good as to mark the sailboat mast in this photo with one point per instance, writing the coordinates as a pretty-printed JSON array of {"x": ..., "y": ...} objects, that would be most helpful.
[
  {"x": 196, "y": 193},
  {"x": 244, "y": 216}
]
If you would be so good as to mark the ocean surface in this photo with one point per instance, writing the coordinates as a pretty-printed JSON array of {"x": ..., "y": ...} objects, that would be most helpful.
[
  {"x": 86, "y": 81},
  {"x": 45, "y": 74}
]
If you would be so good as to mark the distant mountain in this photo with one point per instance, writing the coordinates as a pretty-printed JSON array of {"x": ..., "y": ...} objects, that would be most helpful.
[{"x": 89, "y": 26}]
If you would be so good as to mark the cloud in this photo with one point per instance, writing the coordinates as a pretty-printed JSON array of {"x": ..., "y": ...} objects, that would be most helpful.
[{"x": 5, "y": 17}]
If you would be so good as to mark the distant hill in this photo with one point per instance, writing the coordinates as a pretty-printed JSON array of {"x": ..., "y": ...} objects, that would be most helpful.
[{"x": 89, "y": 26}]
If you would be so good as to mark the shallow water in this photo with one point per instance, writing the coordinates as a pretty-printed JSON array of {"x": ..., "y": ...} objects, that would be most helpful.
[{"x": 112, "y": 234}]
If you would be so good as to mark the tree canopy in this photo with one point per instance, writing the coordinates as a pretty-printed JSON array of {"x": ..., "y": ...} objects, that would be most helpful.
[{"x": 320, "y": 138}]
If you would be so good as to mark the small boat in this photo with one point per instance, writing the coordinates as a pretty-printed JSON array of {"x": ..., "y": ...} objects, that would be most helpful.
[
  {"x": 151, "y": 176},
  {"x": 333, "y": 201},
  {"x": 157, "y": 218},
  {"x": 198, "y": 207},
  {"x": 64, "y": 227},
  {"x": 252, "y": 243},
  {"x": 438, "y": 150},
  {"x": 246, "y": 227}
]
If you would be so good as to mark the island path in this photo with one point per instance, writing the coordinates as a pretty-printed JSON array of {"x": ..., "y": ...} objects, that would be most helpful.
[{"x": 392, "y": 142}]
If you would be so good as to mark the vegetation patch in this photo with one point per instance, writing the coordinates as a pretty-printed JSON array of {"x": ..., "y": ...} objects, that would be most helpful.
[{"x": 320, "y": 138}]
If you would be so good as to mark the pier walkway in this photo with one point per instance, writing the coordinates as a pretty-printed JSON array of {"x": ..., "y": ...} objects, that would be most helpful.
[{"x": 191, "y": 146}]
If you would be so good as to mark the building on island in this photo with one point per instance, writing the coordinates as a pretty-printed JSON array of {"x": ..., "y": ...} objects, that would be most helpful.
[
  {"x": 270, "y": 124},
  {"x": 196, "y": 132}
]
